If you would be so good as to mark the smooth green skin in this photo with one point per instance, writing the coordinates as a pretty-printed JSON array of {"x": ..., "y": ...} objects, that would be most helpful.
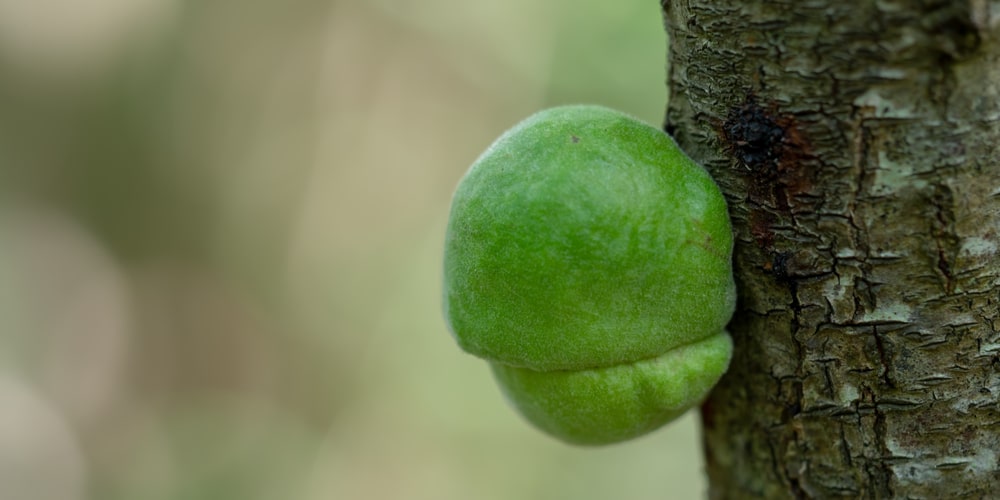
[
  {"x": 608, "y": 405},
  {"x": 589, "y": 260}
]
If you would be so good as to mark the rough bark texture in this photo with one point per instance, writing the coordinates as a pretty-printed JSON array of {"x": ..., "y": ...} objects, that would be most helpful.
[{"x": 858, "y": 144}]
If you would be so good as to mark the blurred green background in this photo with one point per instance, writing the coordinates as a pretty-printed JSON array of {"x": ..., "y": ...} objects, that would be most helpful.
[{"x": 220, "y": 230}]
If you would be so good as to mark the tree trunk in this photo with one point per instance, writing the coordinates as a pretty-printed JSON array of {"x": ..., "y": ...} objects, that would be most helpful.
[{"x": 858, "y": 145}]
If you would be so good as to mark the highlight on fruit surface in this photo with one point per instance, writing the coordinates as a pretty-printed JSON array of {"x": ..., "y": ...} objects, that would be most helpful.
[{"x": 588, "y": 259}]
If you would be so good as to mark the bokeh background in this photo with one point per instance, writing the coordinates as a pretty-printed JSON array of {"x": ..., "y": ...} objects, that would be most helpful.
[{"x": 221, "y": 223}]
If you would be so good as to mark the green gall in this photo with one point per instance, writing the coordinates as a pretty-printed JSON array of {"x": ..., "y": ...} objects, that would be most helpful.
[{"x": 589, "y": 261}]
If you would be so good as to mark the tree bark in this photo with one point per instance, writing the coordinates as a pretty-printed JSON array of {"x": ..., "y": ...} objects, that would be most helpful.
[{"x": 858, "y": 145}]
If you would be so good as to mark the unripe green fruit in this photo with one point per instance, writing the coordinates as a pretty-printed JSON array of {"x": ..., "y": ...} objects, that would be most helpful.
[{"x": 589, "y": 260}]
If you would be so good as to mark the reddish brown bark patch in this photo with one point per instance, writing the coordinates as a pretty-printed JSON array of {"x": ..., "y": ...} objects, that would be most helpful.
[{"x": 770, "y": 151}]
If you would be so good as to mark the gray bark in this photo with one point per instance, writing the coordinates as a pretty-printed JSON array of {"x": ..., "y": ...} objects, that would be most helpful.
[{"x": 858, "y": 145}]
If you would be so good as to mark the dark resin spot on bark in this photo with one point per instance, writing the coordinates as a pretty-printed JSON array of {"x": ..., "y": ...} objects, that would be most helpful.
[
  {"x": 769, "y": 149},
  {"x": 754, "y": 137}
]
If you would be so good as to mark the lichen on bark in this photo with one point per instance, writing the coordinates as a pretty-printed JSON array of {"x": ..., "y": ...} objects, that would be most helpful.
[{"x": 858, "y": 145}]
